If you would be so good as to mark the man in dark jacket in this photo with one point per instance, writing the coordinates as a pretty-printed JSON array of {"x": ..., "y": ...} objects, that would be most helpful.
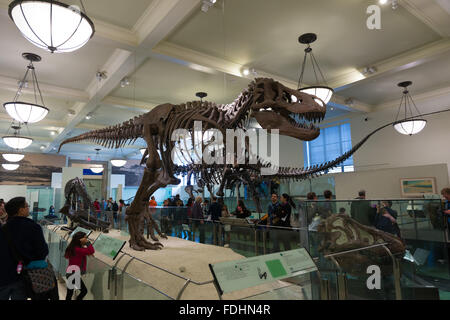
[
  {"x": 198, "y": 219},
  {"x": 215, "y": 211},
  {"x": 29, "y": 241},
  {"x": 361, "y": 210}
]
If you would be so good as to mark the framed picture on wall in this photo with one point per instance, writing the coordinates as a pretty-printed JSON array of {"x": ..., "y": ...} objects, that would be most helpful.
[{"x": 417, "y": 187}]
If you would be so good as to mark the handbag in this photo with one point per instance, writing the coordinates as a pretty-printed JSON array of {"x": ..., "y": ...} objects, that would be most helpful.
[{"x": 37, "y": 281}]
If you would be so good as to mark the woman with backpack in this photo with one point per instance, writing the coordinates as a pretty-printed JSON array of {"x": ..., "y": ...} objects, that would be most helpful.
[{"x": 76, "y": 252}]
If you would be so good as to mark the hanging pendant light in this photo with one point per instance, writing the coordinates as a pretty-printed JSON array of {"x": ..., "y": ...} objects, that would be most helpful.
[
  {"x": 410, "y": 124},
  {"x": 26, "y": 112},
  {"x": 16, "y": 141},
  {"x": 323, "y": 92},
  {"x": 13, "y": 157},
  {"x": 97, "y": 168},
  {"x": 10, "y": 166},
  {"x": 118, "y": 163},
  {"x": 52, "y": 25}
]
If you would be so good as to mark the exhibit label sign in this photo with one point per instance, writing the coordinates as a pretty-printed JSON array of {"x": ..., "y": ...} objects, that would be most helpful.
[
  {"x": 108, "y": 246},
  {"x": 80, "y": 229},
  {"x": 246, "y": 273}
]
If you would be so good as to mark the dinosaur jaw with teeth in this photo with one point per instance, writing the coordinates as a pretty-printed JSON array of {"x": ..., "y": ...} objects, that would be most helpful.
[{"x": 300, "y": 126}]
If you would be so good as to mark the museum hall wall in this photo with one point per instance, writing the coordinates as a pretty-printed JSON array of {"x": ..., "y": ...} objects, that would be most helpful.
[
  {"x": 385, "y": 183},
  {"x": 34, "y": 170},
  {"x": 388, "y": 156},
  {"x": 389, "y": 149}
]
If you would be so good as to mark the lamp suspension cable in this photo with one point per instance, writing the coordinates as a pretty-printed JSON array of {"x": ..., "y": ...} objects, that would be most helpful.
[
  {"x": 408, "y": 125},
  {"x": 321, "y": 89},
  {"x": 28, "y": 112}
]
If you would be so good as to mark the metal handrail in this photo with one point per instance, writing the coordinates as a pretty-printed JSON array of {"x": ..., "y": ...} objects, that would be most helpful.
[
  {"x": 167, "y": 271},
  {"x": 353, "y": 250}
]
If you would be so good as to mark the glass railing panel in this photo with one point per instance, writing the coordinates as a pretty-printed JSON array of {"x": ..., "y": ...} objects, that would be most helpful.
[
  {"x": 134, "y": 289},
  {"x": 63, "y": 261},
  {"x": 242, "y": 240},
  {"x": 54, "y": 251},
  {"x": 292, "y": 292},
  {"x": 96, "y": 280}
]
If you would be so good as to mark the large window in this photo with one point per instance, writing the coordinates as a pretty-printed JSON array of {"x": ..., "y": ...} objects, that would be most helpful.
[{"x": 332, "y": 143}]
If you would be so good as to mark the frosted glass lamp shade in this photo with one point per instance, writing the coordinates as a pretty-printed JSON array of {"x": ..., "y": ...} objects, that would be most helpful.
[
  {"x": 13, "y": 157},
  {"x": 52, "y": 25},
  {"x": 323, "y": 93},
  {"x": 96, "y": 169},
  {"x": 17, "y": 142},
  {"x": 118, "y": 163},
  {"x": 10, "y": 166},
  {"x": 25, "y": 112},
  {"x": 410, "y": 127}
]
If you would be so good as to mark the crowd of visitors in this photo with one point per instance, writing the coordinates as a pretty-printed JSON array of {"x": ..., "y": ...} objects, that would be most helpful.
[{"x": 23, "y": 247}]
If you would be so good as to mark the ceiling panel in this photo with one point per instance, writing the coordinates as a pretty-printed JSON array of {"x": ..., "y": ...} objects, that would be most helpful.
[
  {"x": 118, "y": 12},
  {"x": 264, "y": 34},
  {"x": 70, "y": 70},
  {"x": 161, "y": 81},
  {"x": 106, "y": 115},
  {"x": 426, "y": 77}
]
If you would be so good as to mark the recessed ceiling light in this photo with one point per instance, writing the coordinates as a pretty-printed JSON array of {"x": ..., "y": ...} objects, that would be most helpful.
[
  {"x": 124, "y": 82},
  {"x": 53, "y": 132},
  {"x": 382, "y": 2},
  {"x": 207, "y": 4}
]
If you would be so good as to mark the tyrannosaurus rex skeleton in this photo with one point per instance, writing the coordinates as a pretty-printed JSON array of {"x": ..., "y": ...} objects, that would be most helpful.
[{"x": 270, "y": 103}]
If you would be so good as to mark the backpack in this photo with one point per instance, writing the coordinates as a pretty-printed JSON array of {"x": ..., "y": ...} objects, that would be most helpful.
[{"x": 115, "y": 207}]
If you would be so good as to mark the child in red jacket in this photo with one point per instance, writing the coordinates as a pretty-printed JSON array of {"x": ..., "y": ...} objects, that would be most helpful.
[{"x": 77, "y": 251}]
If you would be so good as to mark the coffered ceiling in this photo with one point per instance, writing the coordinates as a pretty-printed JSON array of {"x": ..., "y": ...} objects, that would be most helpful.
[{"x": 170, "y": 49}]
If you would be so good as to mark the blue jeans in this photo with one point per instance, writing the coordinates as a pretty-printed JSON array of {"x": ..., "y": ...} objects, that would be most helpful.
[{"x": 15, "y": 291}]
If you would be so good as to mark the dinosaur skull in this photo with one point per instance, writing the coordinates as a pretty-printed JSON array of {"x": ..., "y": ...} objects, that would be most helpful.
[{"x": 294, "y": 113}]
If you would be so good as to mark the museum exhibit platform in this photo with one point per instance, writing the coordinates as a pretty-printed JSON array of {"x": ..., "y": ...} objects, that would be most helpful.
[{"x": 179, "y": 271}]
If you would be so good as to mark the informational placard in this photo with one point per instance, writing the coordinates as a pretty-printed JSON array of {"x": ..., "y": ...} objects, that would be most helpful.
[
  {"x": 80, "y": 229},
  {"x": 108, "y": 246},
  {"x": 256, "y": 215},
  {"x": 246, "y": 273}
]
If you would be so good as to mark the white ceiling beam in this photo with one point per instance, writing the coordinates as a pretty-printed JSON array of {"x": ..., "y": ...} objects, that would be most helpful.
[
  {"x": 201, "y": 61},
  {"x": 48, "y": 90},
  {"x": 4, "y": 117},
  {"x": 129, "y": 104},
  {"x": 434, "y": 13},
  {"x": 114, "y": 36},
  {"x": 410, "y": 59},
  {"x": 52, "y": 91},
  {"x": 164, "y": 16}
]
